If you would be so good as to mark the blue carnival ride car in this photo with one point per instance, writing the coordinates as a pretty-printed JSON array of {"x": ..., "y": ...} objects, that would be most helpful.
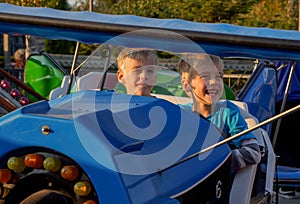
[{"x": 89, "y": 144}]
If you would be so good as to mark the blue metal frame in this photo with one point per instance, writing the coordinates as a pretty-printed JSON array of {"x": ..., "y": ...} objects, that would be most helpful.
[{"x": 76, "y": 135}]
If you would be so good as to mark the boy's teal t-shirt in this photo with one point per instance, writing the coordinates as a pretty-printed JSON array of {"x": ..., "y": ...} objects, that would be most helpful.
[{"x": 227, "y": 117}]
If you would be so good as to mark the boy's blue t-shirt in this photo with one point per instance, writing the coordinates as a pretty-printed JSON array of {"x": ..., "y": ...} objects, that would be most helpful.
[{"x": 227, "y": 117}]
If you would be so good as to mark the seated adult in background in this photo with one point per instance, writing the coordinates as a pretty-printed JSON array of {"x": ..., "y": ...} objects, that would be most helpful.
[{"x": 20, "y": 60}]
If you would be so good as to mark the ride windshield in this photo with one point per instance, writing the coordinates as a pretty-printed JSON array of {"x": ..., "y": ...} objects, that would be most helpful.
[{"x": 100, "y": 70}]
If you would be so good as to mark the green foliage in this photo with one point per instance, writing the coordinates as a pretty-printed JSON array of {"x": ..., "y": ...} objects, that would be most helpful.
[
  {"x": 193, "y": 10},
  {"x": 101, "y": 6},
  {"x": 61, "y": 4},
  {"x": 81, "y": 5},
  {"x": 87, "y": 49},
  {"x": 104, "y": 6},
  {"x": 280, "y": 14},
  {"x": 1, "y": 61},
  {"x": 59, "y": 46}
]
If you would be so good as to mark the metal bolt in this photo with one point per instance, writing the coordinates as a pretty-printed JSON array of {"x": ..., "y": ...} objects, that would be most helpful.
[{"x": 46, "y": 130}]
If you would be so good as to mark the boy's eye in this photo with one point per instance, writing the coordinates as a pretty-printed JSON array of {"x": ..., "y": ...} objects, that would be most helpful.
[
  {"x": 205, "y": 77},
  {"x": 220, "y": 76},
  {"x": 136, "y": 70},
  {"x": 208, "y": 77},
  {"x": 150, "y": 71}
]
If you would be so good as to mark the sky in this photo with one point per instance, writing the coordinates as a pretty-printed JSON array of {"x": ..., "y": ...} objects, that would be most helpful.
[{"x": 71, "y": 2}]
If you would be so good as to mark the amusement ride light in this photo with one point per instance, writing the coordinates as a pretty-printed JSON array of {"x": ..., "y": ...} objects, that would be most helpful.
[
  {"x": 5, "y": 175},
  {"x": 4, "y": 84},
  {"x": 15, "y": 93},
  {"x": 24, "y": 101},
  {"x": 82, "y": 188},
  {"x": 90, "y": 202},
  {"x": 69, "y": 173},
  {"x": 52, "y": 164},
  {"x": 16, "y": 164},
  {"x": 34, "y": 160}
]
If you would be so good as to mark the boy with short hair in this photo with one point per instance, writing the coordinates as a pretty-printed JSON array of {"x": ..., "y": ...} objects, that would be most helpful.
[
  {"x": 137, "y": 69},
  {"x": 202, "y": 80}
]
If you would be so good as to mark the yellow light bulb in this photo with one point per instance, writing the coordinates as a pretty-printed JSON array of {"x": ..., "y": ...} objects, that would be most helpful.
[
  {"x": 52, "y": 164},
  {"x": 82, "y": 188},
  {"x": 16, "y": 164}
]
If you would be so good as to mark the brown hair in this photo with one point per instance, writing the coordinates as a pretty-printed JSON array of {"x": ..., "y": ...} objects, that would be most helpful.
[{"x": 189, "y": 62}]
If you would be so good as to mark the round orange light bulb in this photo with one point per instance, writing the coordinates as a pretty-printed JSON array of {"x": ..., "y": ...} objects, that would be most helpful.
[
  {"x": 34, "y": 160},
  {"x": 5, "y": 175},
  {"x": 69, "y": 173},
  {"x": 90, "y": 202}
]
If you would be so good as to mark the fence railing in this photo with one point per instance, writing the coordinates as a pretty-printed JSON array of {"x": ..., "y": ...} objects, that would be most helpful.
[
  {"x": 17, "y": 73},
  {"x": 229, "y": 79}
]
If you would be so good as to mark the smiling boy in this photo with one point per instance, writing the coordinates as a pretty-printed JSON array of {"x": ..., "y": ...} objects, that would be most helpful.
[{"x": 202, "y": 80}]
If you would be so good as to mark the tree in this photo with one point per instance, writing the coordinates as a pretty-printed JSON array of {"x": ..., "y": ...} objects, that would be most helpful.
[
  {"x": 100, "y": 6},
  {"x": 56, "y": 4},
  {"x": 212, "y": 11},
  {"x": 59, "y": 47},
  {"x": 81, "y": 5},
  {"x": 280, "y": 14}
]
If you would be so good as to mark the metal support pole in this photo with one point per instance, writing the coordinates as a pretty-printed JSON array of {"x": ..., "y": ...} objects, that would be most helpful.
[
  {"x": 272, "y": 119},
  {"x": 283, "y": 104},
  {"x": 299, "y": 15},
  {"x": 6, "y": 50},
  {"x": 91, "y": 5},
  {"x": 72, "y": 72}
]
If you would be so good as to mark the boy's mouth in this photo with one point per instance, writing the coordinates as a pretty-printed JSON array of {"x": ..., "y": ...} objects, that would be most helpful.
[
  {"x": 211, "y": 92},
  {"x": 143, "y": 84}
]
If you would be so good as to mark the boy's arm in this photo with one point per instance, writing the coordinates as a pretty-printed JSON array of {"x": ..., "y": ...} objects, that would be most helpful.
[{"x": 247, "y": 154}]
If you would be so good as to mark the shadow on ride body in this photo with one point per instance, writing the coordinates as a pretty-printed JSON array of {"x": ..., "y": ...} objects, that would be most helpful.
[{"x": 47, "y": 197}]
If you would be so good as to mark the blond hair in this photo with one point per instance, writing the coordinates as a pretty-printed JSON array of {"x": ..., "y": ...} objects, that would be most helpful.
[
  {"x": 139, "y": 54},
  {"x": 19, "y": 53}
]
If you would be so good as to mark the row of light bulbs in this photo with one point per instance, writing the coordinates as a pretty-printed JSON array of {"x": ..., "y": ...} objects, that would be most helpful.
[{"x": 52, "y": 164}]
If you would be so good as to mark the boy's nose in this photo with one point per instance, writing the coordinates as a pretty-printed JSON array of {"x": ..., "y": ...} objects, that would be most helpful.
[
  {"x": 212, "y": 81},
  {"x": 143, "y": 74}
]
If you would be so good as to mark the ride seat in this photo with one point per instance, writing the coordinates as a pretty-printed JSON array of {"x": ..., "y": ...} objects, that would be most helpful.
[
  {"x": 60, "y": 91},
  {"x": 86, "y": 82},
  {"x": 174, "y": 99},
  {"x": 91, "y": 81},
  {"x": 242, "y": 187}
]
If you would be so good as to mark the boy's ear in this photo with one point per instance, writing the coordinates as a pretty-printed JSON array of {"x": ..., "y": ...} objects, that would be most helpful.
[
  {"x": 185, "y": 85},
  {"x": 120, "y": 76}
]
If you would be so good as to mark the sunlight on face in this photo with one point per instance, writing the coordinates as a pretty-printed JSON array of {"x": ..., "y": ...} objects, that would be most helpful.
[
  {"x": 140, "y": 77},
  {"x": 208, "y": 82}
]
